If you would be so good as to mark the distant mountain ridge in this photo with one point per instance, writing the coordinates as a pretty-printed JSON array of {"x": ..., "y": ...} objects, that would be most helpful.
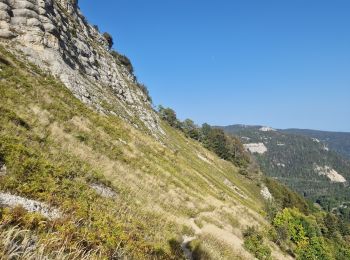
[
  {"x": 307, "y": 161},
  {"x": 337, "y": 141}
]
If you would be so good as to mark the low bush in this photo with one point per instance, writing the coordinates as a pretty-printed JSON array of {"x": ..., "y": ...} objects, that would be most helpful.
[
  {"x": 254, "y": 243},
  {"x": 109, "y": 39},
  {"x": 123, "y": 60}
]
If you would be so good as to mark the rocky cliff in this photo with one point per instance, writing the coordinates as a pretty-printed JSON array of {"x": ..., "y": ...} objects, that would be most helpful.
[{"x": 55, "y": 36}]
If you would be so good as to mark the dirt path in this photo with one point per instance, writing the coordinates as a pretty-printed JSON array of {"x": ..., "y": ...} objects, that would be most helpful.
[{"x": 185, "y": 246}]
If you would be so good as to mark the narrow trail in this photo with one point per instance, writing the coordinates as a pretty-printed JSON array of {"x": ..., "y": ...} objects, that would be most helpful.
[
  {"x": 185, "y": 246},
  {"x": 186, "y": 240},
  {"x": 226, "y": 236}
]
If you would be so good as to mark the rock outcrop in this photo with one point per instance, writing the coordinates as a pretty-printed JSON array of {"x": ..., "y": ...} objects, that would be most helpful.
[
  {"x": 55, "y": 36},
  {"x": 10, "y": 200},
  {"x": 259, "y": 148},
  {"x": 330, "y": 173}
]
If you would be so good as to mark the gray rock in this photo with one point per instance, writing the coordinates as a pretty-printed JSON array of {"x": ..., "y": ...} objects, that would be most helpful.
[
  {"x": 55, "y": 36},
  {"x": 27, "y": 13},
  {"x": 49, "y": 27},
  {"x": 6, "y": 34},
  {"x": 23, "y": 5},
  {"x": 33, "y": 22},
  {"x": 4, "y": 25},
  {"x": 10, "y": 200},
  {"x": 4, "y": 16},
  {"x": 4, "y": 7},
  {"x": 19, "y": 21},
  {"x": 103, "y": 190}
]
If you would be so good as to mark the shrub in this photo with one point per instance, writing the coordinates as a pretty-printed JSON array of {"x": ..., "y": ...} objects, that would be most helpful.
[
  {"x": 190, "y": 129},
  {"x": 289, "y": 226},
  {"x": 254, "y": 243},
  {"x": 285, "y": 197},
  {"x": 304, "y": 232},
  {"x": 226, "y": 146},
  {"x": 125, "y": 61},
  {"x": 315, "y": 248},
  {"x": 145, "y": 91},
  {"x": 169, "y": 116},
  {"x": 109, "y": 39},
  {"x": 96, "y": 27}
]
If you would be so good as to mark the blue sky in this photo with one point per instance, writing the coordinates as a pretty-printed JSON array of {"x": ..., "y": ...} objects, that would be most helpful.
[{"x": 272, "y": 62}]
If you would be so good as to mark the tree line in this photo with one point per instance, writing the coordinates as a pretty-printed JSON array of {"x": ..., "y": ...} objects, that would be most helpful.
[{"x": 226, "y": 146}]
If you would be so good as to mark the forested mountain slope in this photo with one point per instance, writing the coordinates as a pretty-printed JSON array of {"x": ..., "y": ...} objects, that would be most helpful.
[
  {"x": 336, "y": 141},
  {"x": 305, "y": 164}
]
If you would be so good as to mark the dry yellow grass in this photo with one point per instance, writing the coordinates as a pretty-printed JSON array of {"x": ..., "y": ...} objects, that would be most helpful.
[{"x": 166, "y": 186}]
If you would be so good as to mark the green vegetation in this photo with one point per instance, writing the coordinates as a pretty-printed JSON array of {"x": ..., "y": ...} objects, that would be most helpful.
[
  {"x": 311, "y": 234},
  {"x": 125, "y": 62},
  {"x": 227, "y": 147},
  {"x": 122, "y": 59},
  {"x": 39, "y": 168},
  {"x": 55, "y": 148},
  {"x": 286, "y": 198},
  {"x": 190, "y": 129},
  {"x": 109, "y": 39},
  {"x": 18, "y": 244},
  {"x": 336, "y": 141},
  {"x": 302, "y": 234},
  {"x": 254, "y": 243},
  {"x": 169, "y": 115},
  {"x": 291, "y": 159},
  {"x": 145, "y": 91}
]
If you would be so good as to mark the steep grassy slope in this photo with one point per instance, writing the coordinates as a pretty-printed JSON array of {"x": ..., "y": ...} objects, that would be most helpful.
[
  {"x": 56, "y": 150},
  {"x": 303, "y": 163}
]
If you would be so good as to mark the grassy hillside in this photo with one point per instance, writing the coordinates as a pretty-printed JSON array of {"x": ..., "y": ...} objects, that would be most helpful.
[
  {"x": 76, "y": 184},
  {"x": 293, "y": 159},
  {"x": 56, "y": 150}
]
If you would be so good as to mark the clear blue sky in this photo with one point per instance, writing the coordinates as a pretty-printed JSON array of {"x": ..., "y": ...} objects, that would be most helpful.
[{"x": 282, "y": 63}]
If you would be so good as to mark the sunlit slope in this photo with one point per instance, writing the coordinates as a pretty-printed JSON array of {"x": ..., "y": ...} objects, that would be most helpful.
[
  {"x": 306, "y": 164},
  {"x": 119, "y": 191}
]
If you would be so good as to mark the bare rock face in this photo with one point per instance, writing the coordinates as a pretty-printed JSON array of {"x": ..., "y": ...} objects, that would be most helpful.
[
  {"x": 265, "y": 193},
  {"x": 256, "y": 148},
  {"x": 330, "y": 173},
  {"x": 54, "y": 35}
]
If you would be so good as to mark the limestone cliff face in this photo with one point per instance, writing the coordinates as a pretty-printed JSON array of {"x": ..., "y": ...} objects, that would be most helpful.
[{"x": 55, "y": 36}]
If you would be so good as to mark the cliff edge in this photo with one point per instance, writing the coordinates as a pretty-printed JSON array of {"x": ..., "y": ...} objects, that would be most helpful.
[{"x": 56, "y": 36}]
